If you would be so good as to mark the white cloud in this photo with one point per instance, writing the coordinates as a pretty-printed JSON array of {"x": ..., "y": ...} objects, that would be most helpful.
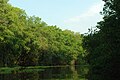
[{"x": 84, "y": 21}]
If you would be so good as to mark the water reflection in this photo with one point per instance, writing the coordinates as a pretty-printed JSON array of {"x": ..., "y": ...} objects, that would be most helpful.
[{"x": 53, "y": 73}]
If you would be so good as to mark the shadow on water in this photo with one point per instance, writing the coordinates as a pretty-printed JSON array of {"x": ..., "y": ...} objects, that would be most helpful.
[{"x": 52, "y": 73}]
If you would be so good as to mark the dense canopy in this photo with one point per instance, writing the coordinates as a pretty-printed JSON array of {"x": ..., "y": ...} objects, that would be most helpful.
[
  {"x": 103, "y": 46},
  {"x": 28, "y": 41}
]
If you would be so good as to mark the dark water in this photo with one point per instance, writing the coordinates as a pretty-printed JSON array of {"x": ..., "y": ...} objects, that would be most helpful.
[{"x": 52, "y": 73}]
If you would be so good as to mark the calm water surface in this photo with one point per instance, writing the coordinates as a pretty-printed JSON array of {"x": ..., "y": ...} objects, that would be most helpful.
[{"x": 52, "y": 73}]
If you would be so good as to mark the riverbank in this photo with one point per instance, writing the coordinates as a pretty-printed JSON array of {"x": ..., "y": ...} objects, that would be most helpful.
[{"x": 18, "y": 69}]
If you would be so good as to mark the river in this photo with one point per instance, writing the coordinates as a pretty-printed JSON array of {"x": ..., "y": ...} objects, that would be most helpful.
[{"x": 51, "y": 73}]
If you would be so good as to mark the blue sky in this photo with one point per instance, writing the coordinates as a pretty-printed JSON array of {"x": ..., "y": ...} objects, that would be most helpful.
[{"x": 75, "y": 15}]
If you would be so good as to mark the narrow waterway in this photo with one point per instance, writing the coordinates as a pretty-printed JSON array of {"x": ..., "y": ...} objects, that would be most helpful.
[{"x": 52, "y": 73}]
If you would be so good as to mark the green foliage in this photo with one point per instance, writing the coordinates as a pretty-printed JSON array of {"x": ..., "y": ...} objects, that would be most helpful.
[
  {"x": 102, "y": 47},
  {"x": 28, "y": 41}
]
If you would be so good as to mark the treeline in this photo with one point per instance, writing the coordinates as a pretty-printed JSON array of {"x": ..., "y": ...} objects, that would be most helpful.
[
  {"x": 103, "y": 44},
  {"x": 28, "y": 41}
]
